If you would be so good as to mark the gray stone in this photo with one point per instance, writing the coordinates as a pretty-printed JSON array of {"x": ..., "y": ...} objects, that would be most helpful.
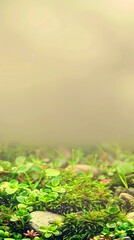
[
  {"x": 43, "y": 218},
  {"x": 120, "y": 190},
  {"x": 127, "y": 197},
  {"x": 127, "y": 238},
  {"x": 131, "y": 191}
]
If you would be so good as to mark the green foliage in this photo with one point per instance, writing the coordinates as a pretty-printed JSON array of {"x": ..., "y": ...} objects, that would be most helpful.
[
  {"x": 76, "y": 156},
  {"x": 118, "y": 229},
  {"x": 89, "y": 204},
  {"x": 77, "y": 199},
  {"x": 49, "y": 231},
  {"x": 123, "y": 169},
  {"x": 112, "y": 209},
  {"x": 52, "y": 172},
  {"x": 20, "y": 160}
]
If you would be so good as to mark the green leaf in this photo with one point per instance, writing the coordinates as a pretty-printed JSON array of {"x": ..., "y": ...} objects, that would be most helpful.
[
  {"x": 5, "y": 184},
  {"x": 24, "y": 168},
  {"x": 55, "y": 182},
  {"x": 23, "y": 185},
  {"x": 57, "y": 232},
  {"x": 10, "y": 190},
  {"x": 27, "y": 238},
  {"x": 43, "y": 229},
  {"x": 106, "y": 230},
  {"x": 111, "y": 225},
  {"x": 14, "y": 182},
  {"x": 14, "y": 218},
  {"x": 21, "y": 199},
  {"x": 126, "y": 226},
  {"x": 52, "y": 227},
  {"x": 125, "y": 167},
  {"x": 59, "y": 189},
  {"x": 11, "y": 187},
  {"x": 25, "y": 192},
  {"x": 22, "y": 212},
  {"x": 14, "y": 170},
  {"x": 22, "y": 206},
  {"x": 20, "y": 160},
  {"x": 5, "y": 164},
  {"x": 113, "y": 209},
  {"x": 52, "y": 172},
  {"x": 53, "y": 195},
  {"x": 1, "y": 169},
  {"x": 48, "y": 235},
  {"x": 2, "y": 233},
  {"x": 10, "y": 238}
]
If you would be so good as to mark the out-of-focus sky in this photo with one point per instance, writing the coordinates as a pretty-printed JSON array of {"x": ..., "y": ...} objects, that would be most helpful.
[{"x": 66, "y": 71}]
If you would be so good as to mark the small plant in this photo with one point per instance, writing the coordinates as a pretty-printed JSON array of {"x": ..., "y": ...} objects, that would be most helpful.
[
  {"x": 123, "y": 170},
  {"x": 90, "y": 206},
  {"x": 31, "y": 233},
  {"x": 118, "y": 229},
  {"x": 112, "y": 209},
  {"x": 4, "y": 234},
  {"x": 76, "y": 157},
  {"x": 49, "y": 231}
]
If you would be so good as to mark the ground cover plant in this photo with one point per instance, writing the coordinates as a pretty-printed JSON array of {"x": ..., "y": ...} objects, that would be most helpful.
[{"x": 92, "y": 189}]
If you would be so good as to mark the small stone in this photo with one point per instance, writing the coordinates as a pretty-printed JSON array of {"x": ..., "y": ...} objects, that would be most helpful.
[
  {"x": 128, "y": 200},
  {"x": 43, "y": 218},
  {"x": 120, "y": 189},
  {"x": 127, "y": 238},
  {"x": 46, "y": 160},
  {"x": 127, "y": 197},
  {"x": 131, "y": 191},
  {"x": 130, "y": 215},
  {"x": 84, "y": 168}
]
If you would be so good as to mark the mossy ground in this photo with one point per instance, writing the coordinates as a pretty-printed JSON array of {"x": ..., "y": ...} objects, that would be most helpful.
[{"x": 37, "y": 178}]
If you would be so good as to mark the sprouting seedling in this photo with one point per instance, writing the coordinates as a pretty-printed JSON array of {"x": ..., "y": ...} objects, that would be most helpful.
[
  {"x": 123, "y": 179},
  {"x": 73, "y": 158},
  {"x": 100, "y": 149},
  {"x": 123, "y": 169},
  {"x": 56, "y": 161},
  {"x": 76, "y": 156},
  {"x": 95, "y": 160}
]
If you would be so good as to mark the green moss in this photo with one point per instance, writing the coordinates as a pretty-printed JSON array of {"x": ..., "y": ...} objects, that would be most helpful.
[{"x": 30, "y": 180}]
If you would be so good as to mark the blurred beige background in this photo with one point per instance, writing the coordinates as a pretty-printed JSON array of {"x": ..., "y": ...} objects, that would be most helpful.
[{"x": 66, "y": 71}]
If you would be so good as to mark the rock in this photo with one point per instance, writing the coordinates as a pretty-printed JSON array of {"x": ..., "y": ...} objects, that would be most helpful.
[
  {"x": 130, "y": 215},
  {"x": 127, "y": 197},
  {"x": 43, "y": 218},
  {"x": 131, "y": 191},
  {"x": 127, "y": 238},
  {"x": 84, "y": 168},
  {"x": 120, "y": 189}
]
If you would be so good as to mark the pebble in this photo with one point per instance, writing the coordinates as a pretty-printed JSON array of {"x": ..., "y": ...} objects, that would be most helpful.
[
  {"x": 130, "y": 215},
  {"x": 120, "y": 190},
  {"x": 125, "y": 238},
  {"x": 126, "y": 197},
  {"x": 43, "y": 218},
  {"x": 84, "y": 168}
]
